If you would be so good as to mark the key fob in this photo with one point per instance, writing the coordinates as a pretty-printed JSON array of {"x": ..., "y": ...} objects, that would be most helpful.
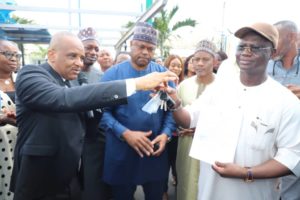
[{"x": 156, "y": 147}]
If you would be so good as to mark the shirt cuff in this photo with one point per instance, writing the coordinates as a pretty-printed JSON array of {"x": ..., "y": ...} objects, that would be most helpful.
[{"x": 130, "y": 86}]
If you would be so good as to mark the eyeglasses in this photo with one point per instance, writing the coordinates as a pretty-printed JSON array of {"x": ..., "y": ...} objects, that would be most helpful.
[
  {"x": 252, "y": 49},
  {"x": 142, "y": 47},
  {"x": 9, "y": 55}
]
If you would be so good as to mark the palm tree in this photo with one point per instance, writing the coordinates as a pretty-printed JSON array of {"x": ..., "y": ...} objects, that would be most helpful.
[
  {"x": 22, "y": 20},
  {"x": 162, "y": 24}
]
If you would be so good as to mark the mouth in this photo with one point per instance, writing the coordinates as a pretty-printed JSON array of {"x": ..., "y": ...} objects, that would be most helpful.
[
  {"x": 76, "y": 71},
  {"x": 12, "y": 66},
  {"x": 144, "y": 59},
  {"x": 91, "y": 59},
  {"x": 245, "y": 62}
]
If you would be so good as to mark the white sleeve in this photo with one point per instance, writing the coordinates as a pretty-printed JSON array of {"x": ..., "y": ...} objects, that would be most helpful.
[
  {"x": 288, "y": 139},
  {"x": 130, "y": 86}
]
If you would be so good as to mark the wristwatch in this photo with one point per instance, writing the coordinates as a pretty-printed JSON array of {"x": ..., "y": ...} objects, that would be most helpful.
[{"x": 249, "y": 175}]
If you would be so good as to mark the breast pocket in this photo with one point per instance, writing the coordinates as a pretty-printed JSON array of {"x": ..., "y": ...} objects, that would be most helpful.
[{"x": 262, "y": 134}]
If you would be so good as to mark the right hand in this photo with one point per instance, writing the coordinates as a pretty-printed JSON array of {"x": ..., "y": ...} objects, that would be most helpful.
[
  {"x": 8, "y": 117},
  {"x": 154, "y": 80},
  {"x": 186, "y": 132},
  {"x": 139, "y": 141}
]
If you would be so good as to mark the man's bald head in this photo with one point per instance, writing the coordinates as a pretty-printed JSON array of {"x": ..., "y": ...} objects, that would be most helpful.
[
  {"x": 58, "y": 39},
  {"x": 66, "y": 54}
]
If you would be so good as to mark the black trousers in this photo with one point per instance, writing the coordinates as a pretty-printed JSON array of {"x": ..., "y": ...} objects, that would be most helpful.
[
  {"x": 93, "y": 161},
  {"x": 72, "y": 192}
]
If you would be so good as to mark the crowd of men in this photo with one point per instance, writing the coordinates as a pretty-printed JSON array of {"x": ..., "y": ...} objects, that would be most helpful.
[{"x": 83, "y": 131}]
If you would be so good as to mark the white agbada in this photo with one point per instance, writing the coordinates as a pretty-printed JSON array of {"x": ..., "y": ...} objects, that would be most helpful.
[{"x": 247, "y": 126}]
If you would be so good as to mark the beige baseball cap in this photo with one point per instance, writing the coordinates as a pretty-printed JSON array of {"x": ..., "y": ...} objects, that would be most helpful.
[{"x": 268, "y": 31}]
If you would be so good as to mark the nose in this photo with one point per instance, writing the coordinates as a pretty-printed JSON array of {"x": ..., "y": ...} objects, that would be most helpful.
[{"x": 79, "y": 62}]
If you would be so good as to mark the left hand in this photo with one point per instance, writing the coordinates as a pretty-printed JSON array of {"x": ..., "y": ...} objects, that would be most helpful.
[
  {"x": 294, "y": 89},
  {"x": 229, "y": 170},
  {"x": 161, "y": 140}
]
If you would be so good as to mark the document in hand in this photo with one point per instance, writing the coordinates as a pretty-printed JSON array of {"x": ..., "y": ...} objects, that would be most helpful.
[{"x": 216, "y": 136}]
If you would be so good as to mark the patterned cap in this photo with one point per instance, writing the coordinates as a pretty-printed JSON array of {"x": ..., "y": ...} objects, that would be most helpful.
[
  {"x": 145, "y": 32},
  {"x": 87, "y": 34},
  {"x": 208, "y": 46}
]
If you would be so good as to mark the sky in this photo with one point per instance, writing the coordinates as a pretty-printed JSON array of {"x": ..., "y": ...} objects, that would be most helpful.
[{"x": 215, "y": 18}]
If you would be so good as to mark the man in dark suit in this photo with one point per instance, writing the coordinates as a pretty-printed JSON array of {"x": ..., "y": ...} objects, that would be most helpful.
[{"x": 51, "y": 126}]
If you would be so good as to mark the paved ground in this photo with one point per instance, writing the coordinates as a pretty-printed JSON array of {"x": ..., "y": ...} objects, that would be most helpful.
[{"x": 139, "y": 195}]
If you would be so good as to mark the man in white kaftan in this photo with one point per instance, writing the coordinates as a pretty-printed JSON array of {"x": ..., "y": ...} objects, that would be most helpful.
[
  {"x": 247, "y": 127},
  {"x": 260, "y": 124}
]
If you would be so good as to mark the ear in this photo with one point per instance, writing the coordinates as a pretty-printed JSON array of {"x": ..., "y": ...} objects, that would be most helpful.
[
  {"x": 273, "y": 53},
  {"x": 294, "y": 37},
  {"x": 51, "y": 56},
  {"x": 215, "y": 61}
]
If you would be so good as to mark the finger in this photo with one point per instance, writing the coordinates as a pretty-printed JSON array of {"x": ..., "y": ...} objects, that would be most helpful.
[
  {"x": 190, "y": 134},
  {"x": 146, "y": 150},
  {"x": 158, "y": 151},
  {"x": 148, "y": 133},
  {"x": 146, "y": 146},
  {"x": 290, "y": 85},
  {"x": 138, "y": 151},
  {"x": 220, "y": 164},
  {"x": 156, "y": 140},
  {"x": 165, "y": 84}
]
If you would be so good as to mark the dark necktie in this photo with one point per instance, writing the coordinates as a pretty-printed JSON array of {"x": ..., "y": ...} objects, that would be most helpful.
[{"x": 67, "y": 83}]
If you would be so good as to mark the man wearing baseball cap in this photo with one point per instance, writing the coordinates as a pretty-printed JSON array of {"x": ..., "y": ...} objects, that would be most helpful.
[{"x": 247, "y": 128}]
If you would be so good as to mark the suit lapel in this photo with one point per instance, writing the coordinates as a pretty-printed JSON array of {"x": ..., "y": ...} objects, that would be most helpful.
[{"x": 56, "y": 77}]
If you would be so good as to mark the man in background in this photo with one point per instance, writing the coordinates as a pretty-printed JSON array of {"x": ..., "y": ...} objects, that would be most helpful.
[
  {"x": 105, "y": 60},
  {"x": 284, "y": 67},
  {"x": 94, "y": 141}
]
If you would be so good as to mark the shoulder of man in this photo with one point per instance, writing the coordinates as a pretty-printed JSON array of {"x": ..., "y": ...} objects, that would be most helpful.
[
  {"x": 32, "y": 73},
  {"x": 157, "y": 67},
  {"x": 28, "y": 69},
  {"x": 113, "y": 72}
]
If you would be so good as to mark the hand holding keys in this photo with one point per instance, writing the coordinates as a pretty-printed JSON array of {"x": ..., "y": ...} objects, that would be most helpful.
[{"x": 166, "y": 101}]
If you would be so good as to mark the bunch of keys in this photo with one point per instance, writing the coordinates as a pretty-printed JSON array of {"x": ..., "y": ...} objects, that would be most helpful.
[{"x": 166, "y": 102}]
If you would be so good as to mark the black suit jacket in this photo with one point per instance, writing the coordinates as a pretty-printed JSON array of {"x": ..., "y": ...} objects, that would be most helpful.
[{"x": 51, "y": 128}]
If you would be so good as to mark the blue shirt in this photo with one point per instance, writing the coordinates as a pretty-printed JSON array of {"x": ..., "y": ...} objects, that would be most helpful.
[{"x": 283, "y": 75}]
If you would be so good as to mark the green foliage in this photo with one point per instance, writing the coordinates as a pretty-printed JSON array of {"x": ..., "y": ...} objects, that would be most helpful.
[
  {"x": 39, "y": 54},
  {"x": 22, "y": 20},
  {"x": 129, "y": 25},
  {"x": 163, "y": 24}
]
